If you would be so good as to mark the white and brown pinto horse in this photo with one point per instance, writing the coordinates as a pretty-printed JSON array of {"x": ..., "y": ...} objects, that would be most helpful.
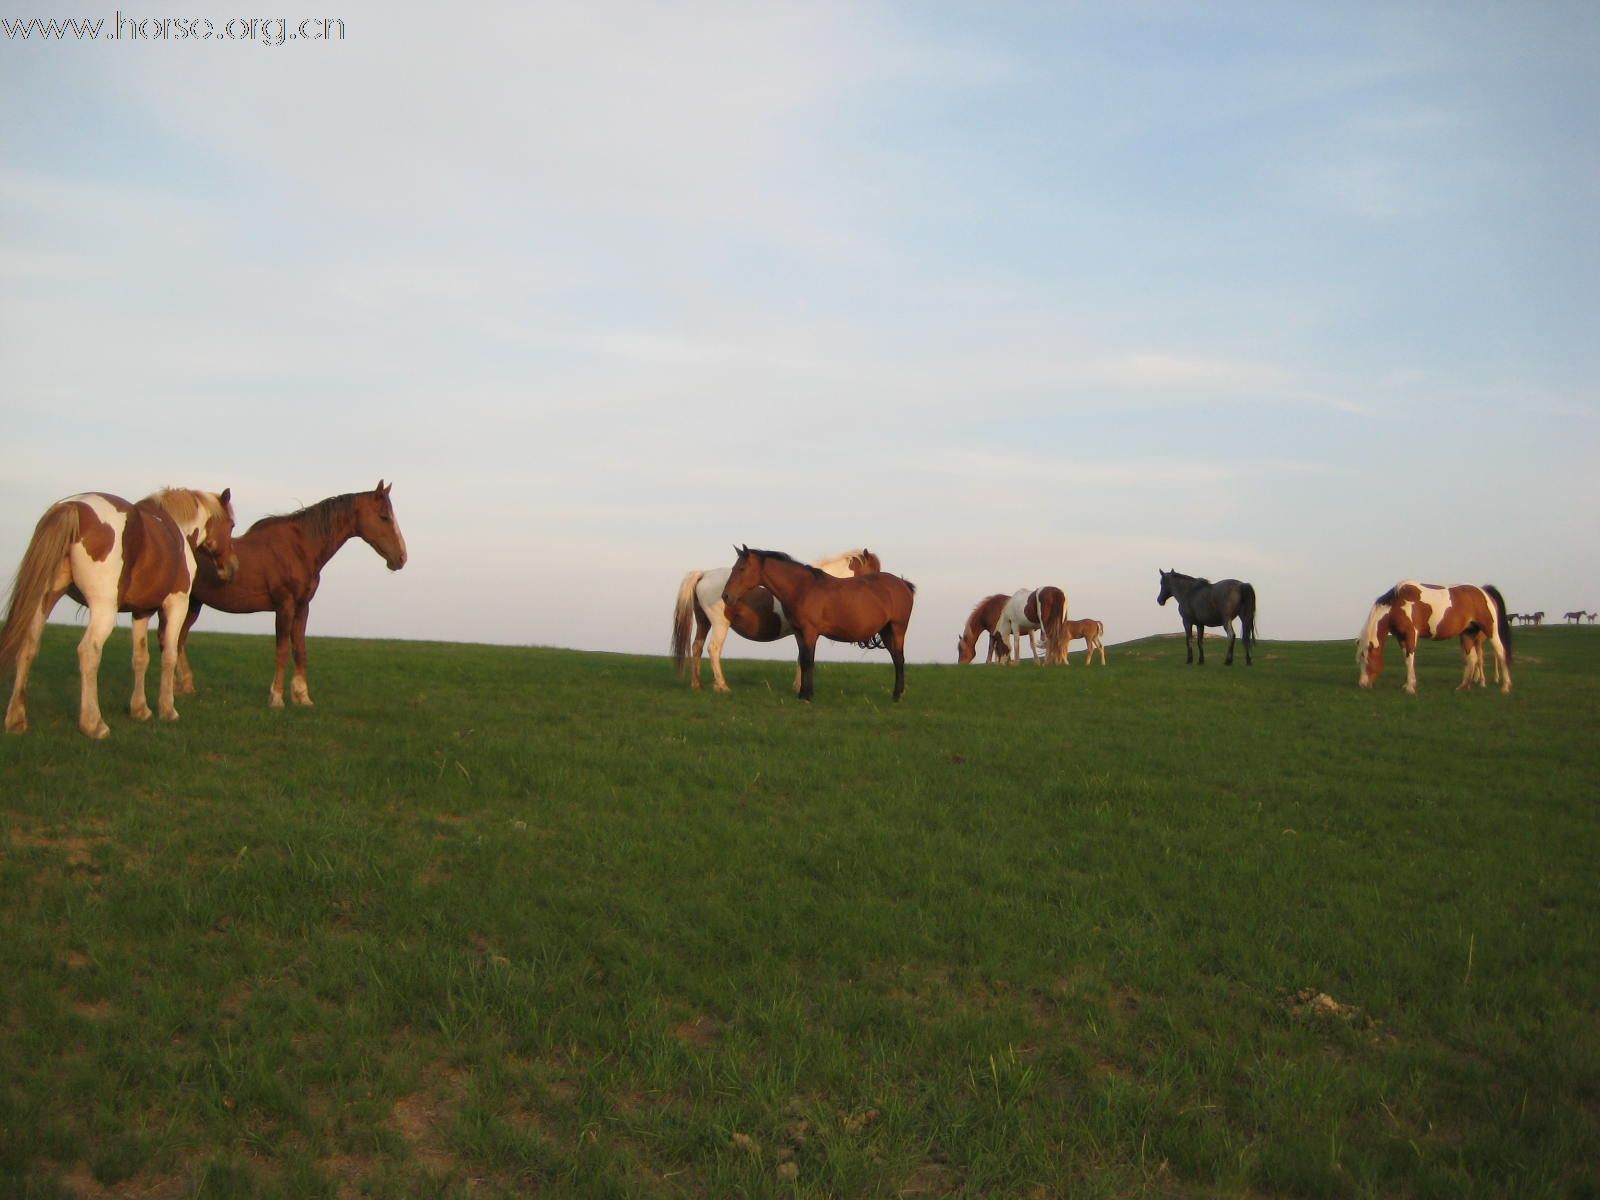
[
  {"x": 757, "y": 615},
  {"x": 984, "y": 618},
  {"x": 1042, "y": 610},
  {"x": 1412, "y": 610},
  {"x": 114, "y": 557}
]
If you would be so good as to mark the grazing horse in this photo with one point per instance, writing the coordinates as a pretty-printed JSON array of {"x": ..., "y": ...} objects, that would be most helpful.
[
  {"x": 1202, "y": 603},
  {"x": 983, "y": 619},
  {"x": 1093, "y": 634},
  {"x": 1412, "y": 610},
  {"x": 1044, "y": 610},
  {"x": 114, "y": 557},
  {"x": 280, "y": 565},
  {"x": 757, "y": 616},
  {"x": 862, "y": 610}
]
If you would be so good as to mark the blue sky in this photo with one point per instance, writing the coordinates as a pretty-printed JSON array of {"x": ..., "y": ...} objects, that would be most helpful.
[{"x": 1011, "y": 294}]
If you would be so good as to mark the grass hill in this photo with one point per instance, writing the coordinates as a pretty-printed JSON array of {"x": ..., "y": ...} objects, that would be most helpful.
[{"x": 492, "y": 921}]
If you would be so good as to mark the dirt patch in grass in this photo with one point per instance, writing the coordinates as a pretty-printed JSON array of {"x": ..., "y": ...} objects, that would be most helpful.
[
  {"x": 423, "y": 1118},
  {"x": 701, "y": 1032}
]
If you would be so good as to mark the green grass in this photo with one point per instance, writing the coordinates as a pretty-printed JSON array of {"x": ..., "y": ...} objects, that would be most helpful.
[{"x": 495, "y": 921}]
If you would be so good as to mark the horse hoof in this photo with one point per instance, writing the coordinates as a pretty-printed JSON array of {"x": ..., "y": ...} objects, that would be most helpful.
[
  {"x": 274, "y": 699},
  {"x": 99, "y": 732},
  {"x": 20, "y": 725},
  {"x": 139, "y": 714},
  {"x": 171, "y": 714}
]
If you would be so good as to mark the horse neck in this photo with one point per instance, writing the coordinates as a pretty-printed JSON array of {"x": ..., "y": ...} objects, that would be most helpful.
[
  {"x": 782, "y": 577},
  {"x": 328, "y": 526},
  {"x": 186, "y": 509}
]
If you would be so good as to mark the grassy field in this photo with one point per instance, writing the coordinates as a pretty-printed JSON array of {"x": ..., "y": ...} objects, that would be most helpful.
[{"x": 496, "y": 921}]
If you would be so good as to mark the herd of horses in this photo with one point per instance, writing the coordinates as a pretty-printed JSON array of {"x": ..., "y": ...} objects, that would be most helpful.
[
  {"x": 173, "y": 553},
  {"x": 1575, "y": 617}
]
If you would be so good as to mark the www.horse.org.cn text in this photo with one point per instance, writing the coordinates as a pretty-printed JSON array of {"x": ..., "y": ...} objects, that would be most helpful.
[{"x": 267, "y": 31}]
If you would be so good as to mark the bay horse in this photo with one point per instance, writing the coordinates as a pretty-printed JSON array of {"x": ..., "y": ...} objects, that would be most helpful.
[
  {"x": 862, "y": 609},
  {"x": 1576, "y": 618},
  {"x": 1202, "y": 603},
  {"x": 1043, "y": 609},
  {"x": 280, "y": 567},
  {"x": 112, "y": 556},
  {"x": 1412, "y": 610},
  {"x": 756, "y": 616},
  {"x": 1093, "y": 634},
  {"x": 984, "y": 618}
]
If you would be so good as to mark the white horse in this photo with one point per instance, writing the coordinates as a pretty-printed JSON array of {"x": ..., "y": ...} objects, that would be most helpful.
[
  {"x": 1031, "y": 611},
  {"x": 757, "y": 615}
]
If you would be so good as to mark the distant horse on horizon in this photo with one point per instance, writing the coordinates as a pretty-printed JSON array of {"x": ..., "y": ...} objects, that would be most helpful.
[
  {"x": 1042, "y": 610},
  {"x": 280, "y": 568},
  {"x": 1575, "y": 618},
  {"x": 864, "y": 610},
  {"x": 1202, "y": 603},
  {"x": 757, "y": 616},
  {"x": 112, "y": 556},
  {"x": 1412, "y": 610},
  {"x": 984, "y": 617},
  {"x": 1093, "y": 634}
]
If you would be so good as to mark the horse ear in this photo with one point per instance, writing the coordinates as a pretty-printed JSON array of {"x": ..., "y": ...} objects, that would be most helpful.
[
  {"x": 381, "y": 490},
  {"x": 227, "y": 494}
]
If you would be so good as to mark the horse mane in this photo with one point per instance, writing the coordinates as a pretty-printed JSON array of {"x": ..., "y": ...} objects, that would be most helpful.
[
  {"x": 780, "y": 556},
  {"x": 185, "y": 504},
  {"x": 1388, "y": 597},
  {"x": 321, "y": 518}
]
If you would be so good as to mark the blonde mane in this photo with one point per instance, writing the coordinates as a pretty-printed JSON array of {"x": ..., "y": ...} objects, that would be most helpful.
[{"x": 185, "y": 505}]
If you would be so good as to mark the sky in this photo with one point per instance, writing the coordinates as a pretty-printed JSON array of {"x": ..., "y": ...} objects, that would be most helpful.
[{"x": 1011, "y": 294}]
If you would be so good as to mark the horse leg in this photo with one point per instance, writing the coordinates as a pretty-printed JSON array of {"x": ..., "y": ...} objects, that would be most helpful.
[
  {"x": 102, "y": 619},
  {"x": 1228, "y": 661},
  {"x": 719, "y": 634},
  {"x": 807, "y": 659},
  {"x": 285, "y": 617},
  {"x": 1200, "y": 642},
  {"x": 17, "y": 709},
  {"x": 172, "y": 614},
  {"x": 1188, "y": 643},
  {"x": 1033, "y": 648},
  {"x": 300, "y": 686},
  {"x": 702, "y": 624},
  {"x": 185, "y": 685},
  {"x": 1409, "y": 645},
  {"x": 138, "y": 706},
  {"x": 894, "y": 636}
]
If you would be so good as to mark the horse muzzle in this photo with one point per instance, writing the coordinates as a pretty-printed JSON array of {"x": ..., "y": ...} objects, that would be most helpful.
[{"x": 227, "y": 568}]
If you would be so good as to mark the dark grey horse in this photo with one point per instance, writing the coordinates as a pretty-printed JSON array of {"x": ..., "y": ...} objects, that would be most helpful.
[{"x": 1202, "y": 603}]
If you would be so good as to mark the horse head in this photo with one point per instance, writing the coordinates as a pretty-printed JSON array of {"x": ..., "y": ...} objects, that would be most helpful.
[
  {"x": 214, "y": 537},
  {"x": 865, "y": 562},
  {"x": 1166, "y": 592},
  {"x": 744, "y": 575},
  {"x": 376, "y": 525}
]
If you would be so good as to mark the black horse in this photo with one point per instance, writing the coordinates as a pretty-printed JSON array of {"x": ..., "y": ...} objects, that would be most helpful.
[{"x": 1202, "y": 603}]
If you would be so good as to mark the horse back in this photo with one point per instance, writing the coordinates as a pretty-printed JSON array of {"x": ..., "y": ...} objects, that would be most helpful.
[{"x": 270, "y": 563}]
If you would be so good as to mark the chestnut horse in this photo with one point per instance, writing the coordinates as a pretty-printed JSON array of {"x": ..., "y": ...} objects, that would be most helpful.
[
  {"x": 1043, "y": 610},
  {"x": 280, "y": 565},
  {"x": 1412, "y": 610},
  {"x": 1093, "y": 634},
  {"x": 983, "y": 619},
  {"x": 757, "y": 616},
  {"x": 112, "y": 557},
  {"x": 858, "y": 610}
]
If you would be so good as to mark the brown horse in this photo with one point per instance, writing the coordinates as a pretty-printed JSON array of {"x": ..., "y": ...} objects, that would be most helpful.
[
  {"x": 280, "y": 565},
  {"x": 112, "y": 556},
  {"x": 758, "y": 616},
  {"x": 981, "y": 620},
  {"x": 1412, "y": 610},
  {"x": 1093, "y": 634},
  {"x": 859, "y": 610}
]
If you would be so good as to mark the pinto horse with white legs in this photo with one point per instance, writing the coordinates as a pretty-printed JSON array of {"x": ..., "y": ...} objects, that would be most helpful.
[
  {"x": 867, "y": 610},
  {"x": 1041, "y": 610},
  {"x": 280, "y": 568},
  {"x": 757, "y": 616},
  {"x": 1412, "y": 610},
  {"x": 112, "y": 556}
]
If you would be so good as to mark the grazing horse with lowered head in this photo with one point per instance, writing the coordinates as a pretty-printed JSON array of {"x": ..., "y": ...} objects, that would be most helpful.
[
  {"x": 1043, "y": 609},
  {"x": 1412, "y": 610},
  {"x": 983, "y": 619},
  {"x": 1202, "y": 603},
  {"x": 757, "y": 616},
  {"x": 1093, "y": 634},
  {"x": 863, "y": 610},
  {"x": 280, "y": 567},
  {"x": 112, "y": 556}
]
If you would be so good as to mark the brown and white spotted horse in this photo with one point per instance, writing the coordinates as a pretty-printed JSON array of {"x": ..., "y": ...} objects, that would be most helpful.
[
  {"x": 1412, "y": 610},
  {"x": 112, "y": 556}
]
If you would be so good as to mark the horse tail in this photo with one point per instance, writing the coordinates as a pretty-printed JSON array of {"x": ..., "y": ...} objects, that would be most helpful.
[
  {"x": 1055, "y": 621},
  {"x": 1247, "y": 612},
  {"x": 52, "y": 538},
  {"x": 1502, "y": 622},
  {"x": 683, "y": 620}
]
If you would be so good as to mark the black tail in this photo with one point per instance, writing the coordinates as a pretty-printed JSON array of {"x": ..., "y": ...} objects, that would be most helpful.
[
  {"x": 1247, "y": 613},
  {"x": 1501, "y": 620}
]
